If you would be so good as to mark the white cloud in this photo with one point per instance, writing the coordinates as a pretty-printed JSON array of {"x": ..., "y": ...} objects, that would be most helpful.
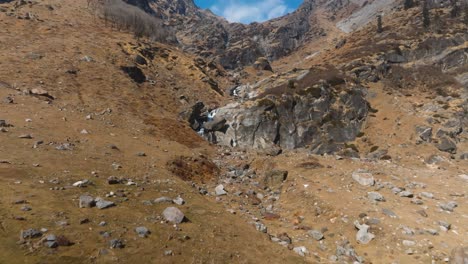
[{"x": 249, "y": 11}]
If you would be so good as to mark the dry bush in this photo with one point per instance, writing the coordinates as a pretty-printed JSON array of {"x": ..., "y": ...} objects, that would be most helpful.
[{"x": 131, "y": 18}]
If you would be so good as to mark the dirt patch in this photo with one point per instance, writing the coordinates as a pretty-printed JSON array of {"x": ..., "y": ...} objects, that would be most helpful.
[{"x": 199, "y": 169}]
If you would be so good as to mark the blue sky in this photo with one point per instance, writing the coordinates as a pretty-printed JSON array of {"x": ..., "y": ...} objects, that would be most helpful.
[{"x": 246, "y": 11}]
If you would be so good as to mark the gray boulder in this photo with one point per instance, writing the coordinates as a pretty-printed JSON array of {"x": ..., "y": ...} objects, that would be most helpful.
[{"x": 174, "y": 215}]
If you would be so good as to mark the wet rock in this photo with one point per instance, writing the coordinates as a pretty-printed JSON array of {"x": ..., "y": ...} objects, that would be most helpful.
[
  {"x": 363, "y": 178},
  {"x": 31, "y": 233},
  {"x": 459, "y": 255},
  {"x": 103, "y": 204},
  {"x": 142, "y": 231},
  {"x": 174, "y": 215},
  {"x": 116, "y": 243},
  {"x": 219, "y": 190},
  {"x": 315, "y": 234},
  {"x": 375, "y": 196},
  {"x": 86, "y": 201},
  {"x": 450, "y": 206},
  {"x": 363, "y": 236},
  {"x": 274, "y": 179}
]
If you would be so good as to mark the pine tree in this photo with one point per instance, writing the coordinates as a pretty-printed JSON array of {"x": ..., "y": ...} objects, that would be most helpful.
[
  {"x": 426, "y": 15},
  {"x": 379, "y": 24},
  {"x": 408, "y": 4}
]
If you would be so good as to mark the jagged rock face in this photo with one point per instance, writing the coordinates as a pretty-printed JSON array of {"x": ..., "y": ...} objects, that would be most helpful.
[
  {"x": 322, "y": 117},
  {"x": 233, "y": 44}
]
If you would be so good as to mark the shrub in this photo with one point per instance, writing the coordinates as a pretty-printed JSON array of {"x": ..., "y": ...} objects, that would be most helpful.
[{"x": 131, "y": 18}]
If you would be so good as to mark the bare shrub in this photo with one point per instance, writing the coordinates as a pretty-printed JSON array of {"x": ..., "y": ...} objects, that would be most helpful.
[{"x": 131, "y": 18}]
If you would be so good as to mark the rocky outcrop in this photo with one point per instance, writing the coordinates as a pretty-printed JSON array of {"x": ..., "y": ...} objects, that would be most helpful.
[{"x": 319, "y": 116}]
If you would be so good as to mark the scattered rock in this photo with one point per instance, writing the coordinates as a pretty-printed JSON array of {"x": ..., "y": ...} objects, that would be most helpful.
[
  {"x": 31, "y": 233},
  {"x": 425, "y": 133},
  {"x": 302, "y": 251},
  {"x": 315, "y": 234},
  {"x": 179, "y": 201},
  {"x": 174, "y": 215},
  {"x": 450, "y": 206},
  {"x": 103, "y": 204},
  {"x": 363, "y": 236},
  {"x": 408, "y": 243},
  {"x": 447, "y": 145},
  {"x": 116, "y": 243},
  {"x": 407, "y": 194},
  {"x": 219, "y": 190},
  {"x": 363, "y": 178},
  {"x": 26, "y": 136},
  {"x": 163, "y": 200},
  {"x": 142, "y": 231},
  {"x": 375, "y": 196},
  {"x": 86, "y": 201},
  {"x": 389, "y": 213}
]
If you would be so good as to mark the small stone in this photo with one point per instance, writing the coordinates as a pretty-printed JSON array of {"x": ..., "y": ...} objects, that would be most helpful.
[
  {"x": 422, "y": 213},
  {"x": 141, "y": 154},
  {"x": 396, "y": 190},
  {"x": 31, "y": 233},
  {"x": 407, "y": 194},
  {"x": 417, "y": 201},
  {"x": 389, "y": 213},
  {"x": 433, "y": 232},
  {"x": 375, "y": 196},
  {"x": 219, "y": 190},
  {"x": 463, "y": 177},
  {"x": 427, "y": 195},
  {"x": 261, "y": 227},
  {"x": 103, "y": 204},
  {"x": 174, "y": 215},
  {"x": 116, "y": 243},
  {"x": 168, "y": 253},
  {"x": 64, "y": 147},
  {"x": 163, "y": 200},
  {"x": 84, "y": 132},
  {"x": 82, "y": 183},
  {"x": 363, "y": 236},
  {"x": 26, "y": 136},
  {"x": 315, "y": 234},
  {"x": 450, "y": 206},
  {"x": 103, "y": 223},
  {"x": 84, "y": 221},
  {"x": 363, "y": 178},
  {"x": 445, "y": 224},
  {"x": 26, "y": 208},
  {"x": 142, "y": 231},
  {"x": 302, "y": 251},
  {"x": 179, "y": 201},
  {"x": 116, "y": 166},
  {"x": 86, "y": 201},
  {"x": 409, "y": 243},
  {"x": 113, "y": 180}
]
